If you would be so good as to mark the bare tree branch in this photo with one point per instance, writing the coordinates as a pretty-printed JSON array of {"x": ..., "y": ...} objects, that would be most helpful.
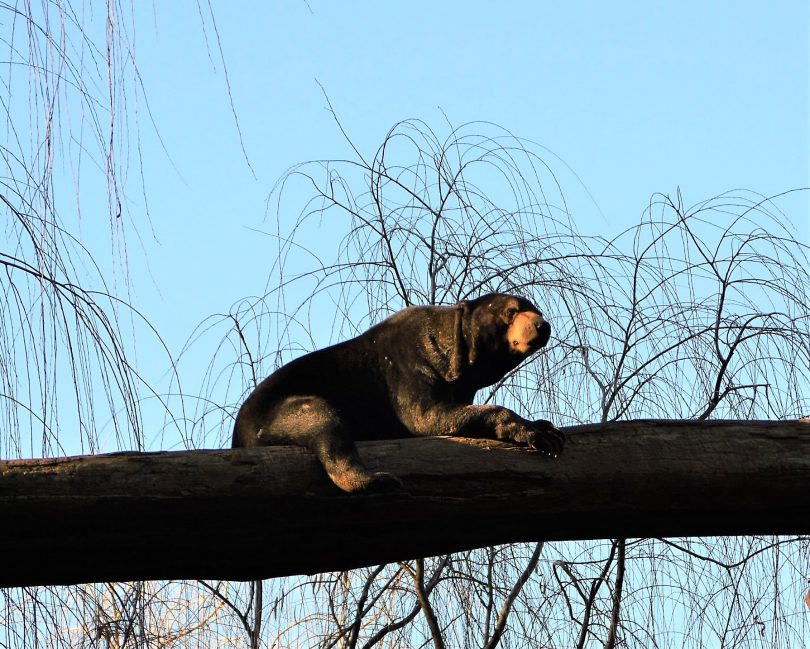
[{"x": 500, "y": 626}]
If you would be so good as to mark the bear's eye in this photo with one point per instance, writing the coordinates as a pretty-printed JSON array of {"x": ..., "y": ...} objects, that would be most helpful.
[{"x": 511, "y": 312}]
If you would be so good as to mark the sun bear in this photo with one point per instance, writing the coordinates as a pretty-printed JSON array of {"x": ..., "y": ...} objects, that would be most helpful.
[{"x": 415, "y": 373}]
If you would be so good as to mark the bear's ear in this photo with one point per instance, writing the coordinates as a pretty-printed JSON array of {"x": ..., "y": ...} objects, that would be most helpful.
[
  {"x": 465, "y": 349},
  {"x": 458, "y": 347}
]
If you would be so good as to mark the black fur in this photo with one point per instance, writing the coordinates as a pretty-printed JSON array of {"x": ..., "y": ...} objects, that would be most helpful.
[{"x": 415, "y": 373}]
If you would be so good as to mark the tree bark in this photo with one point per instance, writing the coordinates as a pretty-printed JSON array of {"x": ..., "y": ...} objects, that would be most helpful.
[{"x": 256, "y": 513}]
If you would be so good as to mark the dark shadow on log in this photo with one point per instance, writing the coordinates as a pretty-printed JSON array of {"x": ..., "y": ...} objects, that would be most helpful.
[{"x": 251, "y": 513}]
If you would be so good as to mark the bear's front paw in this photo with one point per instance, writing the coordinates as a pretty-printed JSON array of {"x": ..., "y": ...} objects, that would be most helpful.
[
  {"x": 547, "y": 438},
  {"x": 540, "y": 435}
]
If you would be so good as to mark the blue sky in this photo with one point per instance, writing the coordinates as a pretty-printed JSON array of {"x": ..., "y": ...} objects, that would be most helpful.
[{"x": 634, "y": 97}]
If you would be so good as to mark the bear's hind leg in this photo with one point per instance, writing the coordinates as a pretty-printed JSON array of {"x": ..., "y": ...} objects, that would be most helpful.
[
  {"x": 339, "y": 458},
  {"x": 310, "y": 421}
]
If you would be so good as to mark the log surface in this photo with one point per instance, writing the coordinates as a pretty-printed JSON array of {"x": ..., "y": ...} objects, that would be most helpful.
[{"x": 257, "y": 513}]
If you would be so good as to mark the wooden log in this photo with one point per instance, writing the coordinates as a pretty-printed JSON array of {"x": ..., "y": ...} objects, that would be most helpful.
[{"x": 257, "y": 513}]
